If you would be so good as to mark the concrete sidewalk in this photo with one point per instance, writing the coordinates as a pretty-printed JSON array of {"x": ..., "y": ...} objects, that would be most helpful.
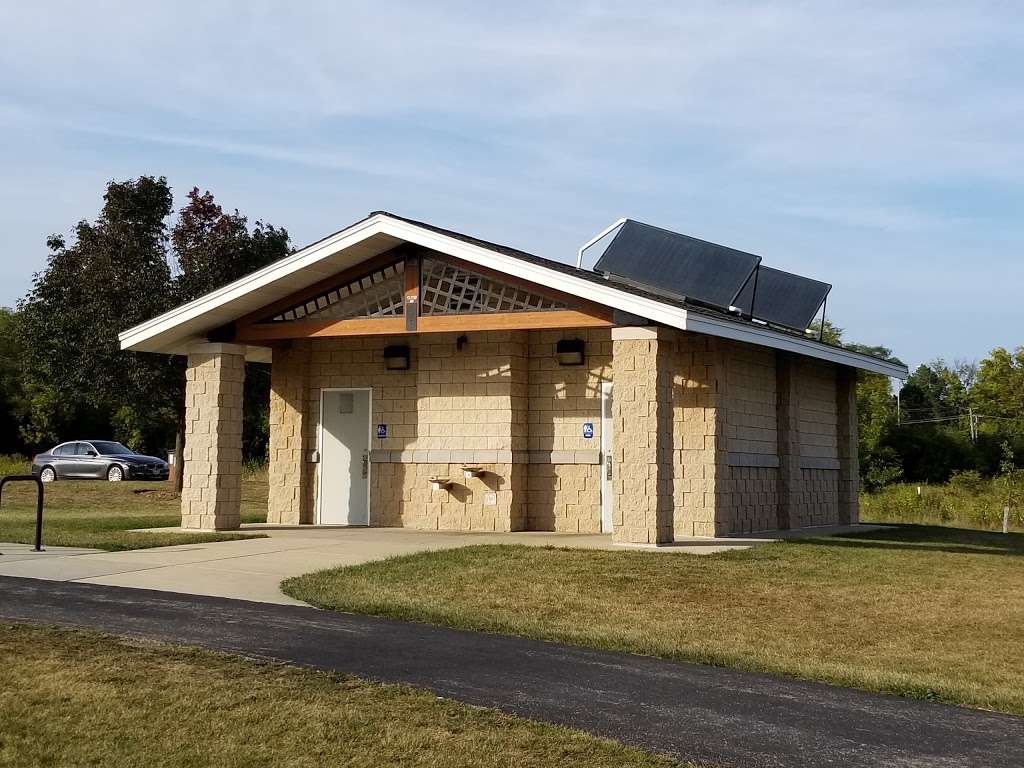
[{"x": 252, "y": 569}]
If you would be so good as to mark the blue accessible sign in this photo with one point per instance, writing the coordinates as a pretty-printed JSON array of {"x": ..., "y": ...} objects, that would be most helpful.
[
  {"x": 382, "y": 431},
  {"x": 588, "y": 429}
]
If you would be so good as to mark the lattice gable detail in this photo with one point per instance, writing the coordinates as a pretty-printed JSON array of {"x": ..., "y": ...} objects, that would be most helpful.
[
  {"x": 380, "y": 293},
  {"x": 452, "y": 289}
]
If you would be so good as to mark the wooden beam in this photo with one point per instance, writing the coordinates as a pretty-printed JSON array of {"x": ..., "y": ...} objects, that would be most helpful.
[
  {"x": 412, "y": 292},
  {"x": 513, "y": 321},
  {"x": 393, "y": 326},
  {"x": 318, "y": 329}
]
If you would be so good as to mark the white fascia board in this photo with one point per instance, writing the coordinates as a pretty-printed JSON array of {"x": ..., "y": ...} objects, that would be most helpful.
[
  {"x": 651, "y": 309},
  {"x": 252, "y": 282},
  {"x": 766, "y": 337},
  {"x": 600, "y": 293}
]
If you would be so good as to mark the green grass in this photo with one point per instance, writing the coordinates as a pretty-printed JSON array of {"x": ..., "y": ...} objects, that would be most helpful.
[
  {"x": 926, "y": 612},
  {"x": 968, "y": 501},
  {"x": 100, "y": 515},
  {"x": 75, "y": 699}
]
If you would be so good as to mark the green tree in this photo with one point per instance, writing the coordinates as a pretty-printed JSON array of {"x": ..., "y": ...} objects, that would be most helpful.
[
  {"x": 933, "y": 391},
  {"x": 12, "y": 397},
  {"x": 213, "y": 248},
  {"x": 113, "y": 275},
  {"x": 998, "y": 392}
]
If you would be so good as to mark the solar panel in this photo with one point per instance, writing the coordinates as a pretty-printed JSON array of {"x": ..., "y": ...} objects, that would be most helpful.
[
  {"x": 678, "y": 265},
  {"x": 782, "y": 298}
]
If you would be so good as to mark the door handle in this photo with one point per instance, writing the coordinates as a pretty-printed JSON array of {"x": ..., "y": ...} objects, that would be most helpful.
[{"x": 366, "y": 464}]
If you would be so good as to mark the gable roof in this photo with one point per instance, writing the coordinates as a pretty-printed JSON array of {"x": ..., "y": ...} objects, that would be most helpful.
[{"x": 173, "y": 331}]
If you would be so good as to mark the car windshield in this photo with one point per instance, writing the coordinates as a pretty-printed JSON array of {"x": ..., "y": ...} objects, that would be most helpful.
[{"x": 110, "y": 449}]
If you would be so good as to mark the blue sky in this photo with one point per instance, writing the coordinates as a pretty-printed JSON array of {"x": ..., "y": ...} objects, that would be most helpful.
[{"x": 876, "y": 146}]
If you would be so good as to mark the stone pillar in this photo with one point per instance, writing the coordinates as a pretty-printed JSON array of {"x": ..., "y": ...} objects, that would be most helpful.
[
  {"x": 212, "y": 490},
  {"x": 846, "y": 432},
  {"x": 289, "y": 470},
  {"x": 699, "y": 440},
  {"x": 642, "y": 414},
  {"x": 787, "y": 418}
]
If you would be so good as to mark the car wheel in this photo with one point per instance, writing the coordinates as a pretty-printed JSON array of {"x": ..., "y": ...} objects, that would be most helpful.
[
  {"x": 115, "y": 474},
  {"x": 47, "y": 475}
]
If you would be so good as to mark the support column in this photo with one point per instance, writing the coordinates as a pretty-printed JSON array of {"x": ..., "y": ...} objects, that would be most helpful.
[
  {"x": 289, "y": 468},
  {"x": 846, "y": 432},
  {"x": 787, "y": 417},
  {"x": 642, "y": 479},
  {"x": 212, "y": 490}
]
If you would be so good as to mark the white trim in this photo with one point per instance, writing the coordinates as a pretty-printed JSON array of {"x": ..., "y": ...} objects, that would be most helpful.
[
  {"x": 766, "y": 337},
  {"x": 634, "y": 332},
  {"x": 599, "y": 292},
  {"x": 596, "y": 238},
  {"x": 607, "y": 447},
  {"x": 320, "y": 453}
]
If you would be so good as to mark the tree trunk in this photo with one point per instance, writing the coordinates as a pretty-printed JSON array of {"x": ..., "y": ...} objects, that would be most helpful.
[{"x": 178, "y": 470}]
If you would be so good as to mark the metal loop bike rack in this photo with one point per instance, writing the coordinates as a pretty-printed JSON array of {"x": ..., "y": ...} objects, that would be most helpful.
[{"x": 39, "y": 502}]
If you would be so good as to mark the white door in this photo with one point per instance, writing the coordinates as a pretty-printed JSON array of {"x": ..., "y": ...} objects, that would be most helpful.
[
  {"x": 607, "y": 465},
  {"x": 344, "y": 469}
]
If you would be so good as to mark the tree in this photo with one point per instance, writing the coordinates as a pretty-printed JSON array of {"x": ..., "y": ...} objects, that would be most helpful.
[
  {"x": 933, "y": 391},
  {"x": 112, "y": 276},
  {"x": 12, "y": 397},
  {"x": 213, "y": 248},
  {"x": 998, "y": 391}
]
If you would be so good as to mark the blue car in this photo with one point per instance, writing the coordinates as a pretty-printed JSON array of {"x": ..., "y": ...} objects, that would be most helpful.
[{"x": 97, "y": 460}]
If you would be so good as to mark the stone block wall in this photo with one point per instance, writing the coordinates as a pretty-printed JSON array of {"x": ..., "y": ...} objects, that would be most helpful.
[
  {"x": 702, "y": 450},
  {"x": 401, "y": 495},
  {"x": 212, "y": 485},
  {"x": 563, "y": 486},
  {"x": 697, "y": 431},
  {"x": 748, "y": 491},
  {"x": 817, "y": 502},
  {"x": 289, "y": 470},
  {"x": 642, "y": 416}
]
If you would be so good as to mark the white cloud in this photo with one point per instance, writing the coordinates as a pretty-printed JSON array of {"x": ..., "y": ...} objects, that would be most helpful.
[{"x": 765, "y": 125}]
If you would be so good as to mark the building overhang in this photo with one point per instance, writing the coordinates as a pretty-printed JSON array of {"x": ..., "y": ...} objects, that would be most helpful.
[{"x": 175, "y": 331}]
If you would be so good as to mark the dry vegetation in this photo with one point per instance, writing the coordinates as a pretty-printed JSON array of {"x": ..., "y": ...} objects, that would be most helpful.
[
  {"x": 75, "y": 699},
  {"x": 927, "y": 612}
]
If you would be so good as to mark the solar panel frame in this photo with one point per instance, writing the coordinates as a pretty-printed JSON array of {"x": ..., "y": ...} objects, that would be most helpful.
[
  {"x": 782, "y": 298},
  {"x": 677, "y": 265}
]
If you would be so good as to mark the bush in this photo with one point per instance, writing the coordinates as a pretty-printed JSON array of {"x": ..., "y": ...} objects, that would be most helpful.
[
  {"x": 12, "y": 464},
  {"x": 967, "y": 501}
]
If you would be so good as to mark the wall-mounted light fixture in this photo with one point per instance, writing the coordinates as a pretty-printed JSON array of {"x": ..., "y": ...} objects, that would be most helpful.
[
  {"x": 396, "y": 358},
  {"x": 569, "y": 352}
]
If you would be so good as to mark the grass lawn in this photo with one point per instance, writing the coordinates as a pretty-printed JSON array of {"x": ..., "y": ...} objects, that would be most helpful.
[
  {"x": 927, "y": 612},
  {"x": 98, "y": 514},
  {"x": 73, "y": 698}
]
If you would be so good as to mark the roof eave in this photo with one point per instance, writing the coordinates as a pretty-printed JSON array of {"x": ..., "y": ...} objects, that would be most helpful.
[{"x": 152, "y": 336}]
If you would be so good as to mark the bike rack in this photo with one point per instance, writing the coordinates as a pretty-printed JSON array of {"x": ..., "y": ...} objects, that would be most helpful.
[{"x": 39, "y": 503}]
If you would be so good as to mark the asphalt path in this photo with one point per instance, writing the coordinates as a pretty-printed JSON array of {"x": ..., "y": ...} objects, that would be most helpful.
[{"x": 689, "y": 711}]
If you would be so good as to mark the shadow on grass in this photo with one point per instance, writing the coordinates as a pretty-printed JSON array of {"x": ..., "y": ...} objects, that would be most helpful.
[{"x": 926, "y": 538}]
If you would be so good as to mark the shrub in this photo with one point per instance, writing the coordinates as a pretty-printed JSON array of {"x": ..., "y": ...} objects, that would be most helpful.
[{"x": 12, "y": 464}]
